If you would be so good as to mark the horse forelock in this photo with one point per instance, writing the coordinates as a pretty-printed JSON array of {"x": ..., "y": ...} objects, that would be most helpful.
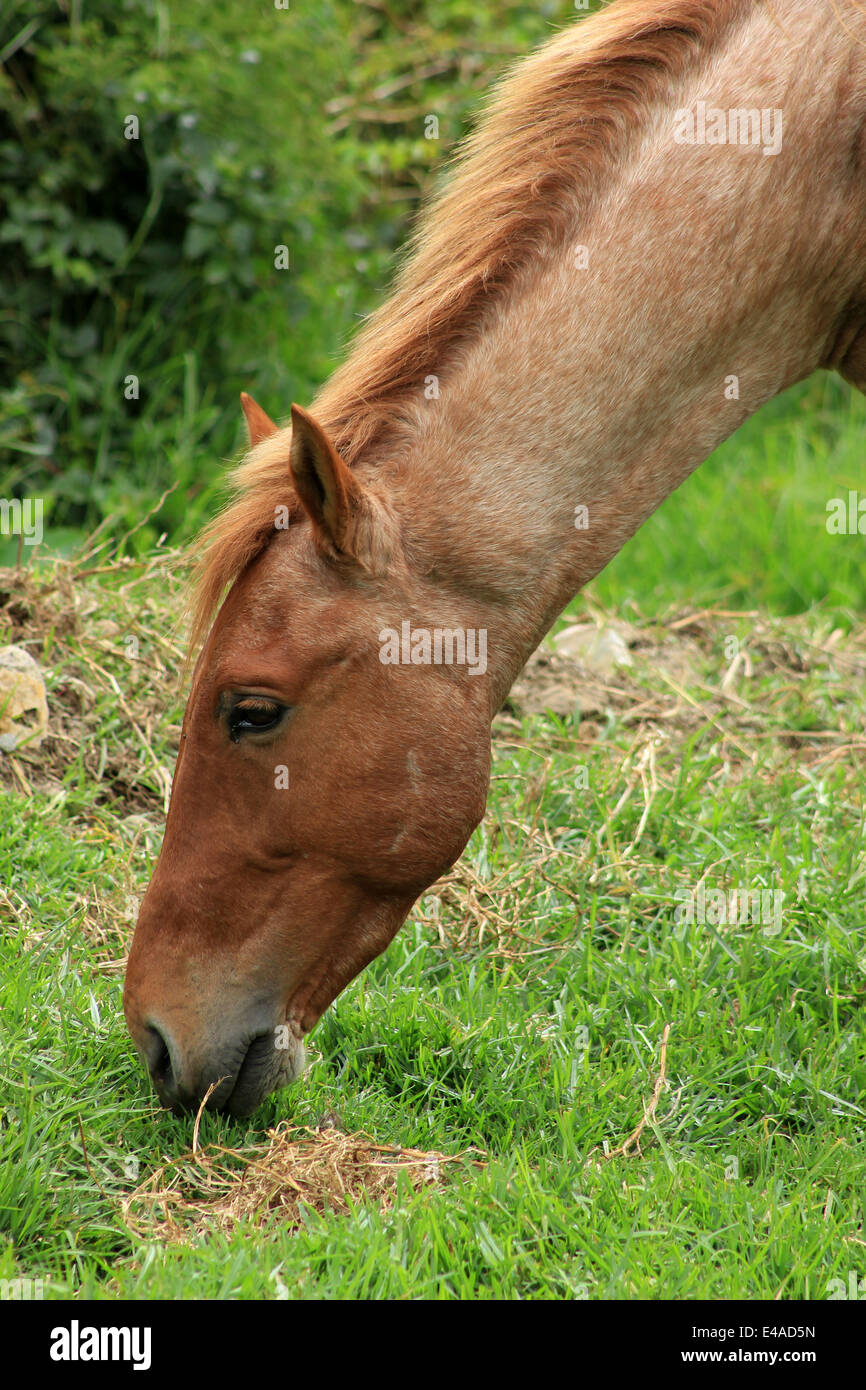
[{"x": 264, "y": 501}]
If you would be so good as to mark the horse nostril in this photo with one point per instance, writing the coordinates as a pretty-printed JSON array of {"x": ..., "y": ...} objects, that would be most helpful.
[{"x": 158, "y": 1057}]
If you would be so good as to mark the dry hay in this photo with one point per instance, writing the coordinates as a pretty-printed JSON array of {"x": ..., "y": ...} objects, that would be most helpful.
[
  {"x": 105, "y": 649},
  {"x": 322, "y": 1170},
  {"x": 468, "y": 912}
]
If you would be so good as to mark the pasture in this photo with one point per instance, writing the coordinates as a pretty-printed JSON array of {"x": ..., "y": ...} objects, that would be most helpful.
[
  {"x": 569, "y": 1076},
  {"x": 517, "y": 1018}
]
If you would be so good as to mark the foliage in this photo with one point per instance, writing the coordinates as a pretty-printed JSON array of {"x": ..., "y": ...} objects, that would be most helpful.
[{"x": 153, "y": 256}]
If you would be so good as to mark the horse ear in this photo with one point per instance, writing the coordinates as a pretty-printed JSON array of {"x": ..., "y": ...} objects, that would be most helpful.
[
  {"x": 332, "y": 497},
  {"x": 259, "y": 425}
]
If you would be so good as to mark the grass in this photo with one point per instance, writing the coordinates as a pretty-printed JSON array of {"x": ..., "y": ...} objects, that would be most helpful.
[
  {"x": 516, "y": 1022},
  {"x": 517, "y": 1019},
  {"x": 748, "y": 530}
]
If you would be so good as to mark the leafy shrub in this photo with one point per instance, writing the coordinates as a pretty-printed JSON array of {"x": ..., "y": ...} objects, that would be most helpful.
[
  {"x": 151, "y": 159},
  {"x": 153, "y": 257}
]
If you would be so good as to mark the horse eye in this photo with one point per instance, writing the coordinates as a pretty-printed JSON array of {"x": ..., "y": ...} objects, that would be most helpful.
[{"x": 253, "y": 715}]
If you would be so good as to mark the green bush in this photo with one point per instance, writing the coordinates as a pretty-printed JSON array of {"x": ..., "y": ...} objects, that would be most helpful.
[{"x": 153, "y": 257}]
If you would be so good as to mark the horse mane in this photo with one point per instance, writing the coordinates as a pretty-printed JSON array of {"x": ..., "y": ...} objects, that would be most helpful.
[{"x": 553, "y": 130}]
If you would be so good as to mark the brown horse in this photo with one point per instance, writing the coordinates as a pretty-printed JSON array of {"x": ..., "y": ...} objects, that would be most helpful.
[{"x": 659, "y": 225}]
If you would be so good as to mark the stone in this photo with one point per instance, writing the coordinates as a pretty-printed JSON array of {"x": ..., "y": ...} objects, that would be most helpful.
[{"x": 23, "y": 706}]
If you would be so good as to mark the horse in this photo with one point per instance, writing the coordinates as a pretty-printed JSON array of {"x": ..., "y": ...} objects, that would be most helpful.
[{"x": 658, "y": 225}]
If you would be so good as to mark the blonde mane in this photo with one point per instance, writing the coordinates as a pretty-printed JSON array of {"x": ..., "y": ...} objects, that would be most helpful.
[{"x": 553, "y": 131}]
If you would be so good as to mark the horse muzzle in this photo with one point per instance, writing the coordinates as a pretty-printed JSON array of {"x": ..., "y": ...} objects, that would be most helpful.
[{"x": 232, "y": 1069}]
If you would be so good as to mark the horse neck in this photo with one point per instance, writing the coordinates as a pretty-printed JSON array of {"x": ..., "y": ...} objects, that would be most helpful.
[{"x": 713, "y": 277}]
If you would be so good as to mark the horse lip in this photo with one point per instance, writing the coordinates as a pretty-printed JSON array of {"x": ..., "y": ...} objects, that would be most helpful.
[
  {"x": 255, "y": 1081},
  {"x": 237, "y": 1082}
]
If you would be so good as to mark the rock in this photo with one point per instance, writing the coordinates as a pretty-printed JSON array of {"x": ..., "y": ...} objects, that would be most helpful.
[
  {"x": 598, "y": 648},
  {"x": 22, "y": 692}
]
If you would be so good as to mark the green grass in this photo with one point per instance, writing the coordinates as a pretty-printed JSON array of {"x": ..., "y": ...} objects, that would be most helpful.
[
  {"x": 521, "y": 1010},
  {"x": 748, "y": 529},
  {"x": 538, "y": 1048}
]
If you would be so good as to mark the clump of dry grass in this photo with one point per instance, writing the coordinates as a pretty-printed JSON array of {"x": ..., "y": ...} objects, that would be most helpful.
[
  {"x": 323, "y": 1170},
  {"x": 104, "y": 633}
]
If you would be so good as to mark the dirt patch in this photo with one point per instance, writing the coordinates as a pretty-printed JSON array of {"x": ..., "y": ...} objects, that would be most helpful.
[{"x": 795, "y": 682}]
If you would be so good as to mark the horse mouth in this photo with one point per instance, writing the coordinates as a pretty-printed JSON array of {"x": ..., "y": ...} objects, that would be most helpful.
[
  {"x": 236, "y": 1090},
  {"x": 264, "y": 1070}
]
